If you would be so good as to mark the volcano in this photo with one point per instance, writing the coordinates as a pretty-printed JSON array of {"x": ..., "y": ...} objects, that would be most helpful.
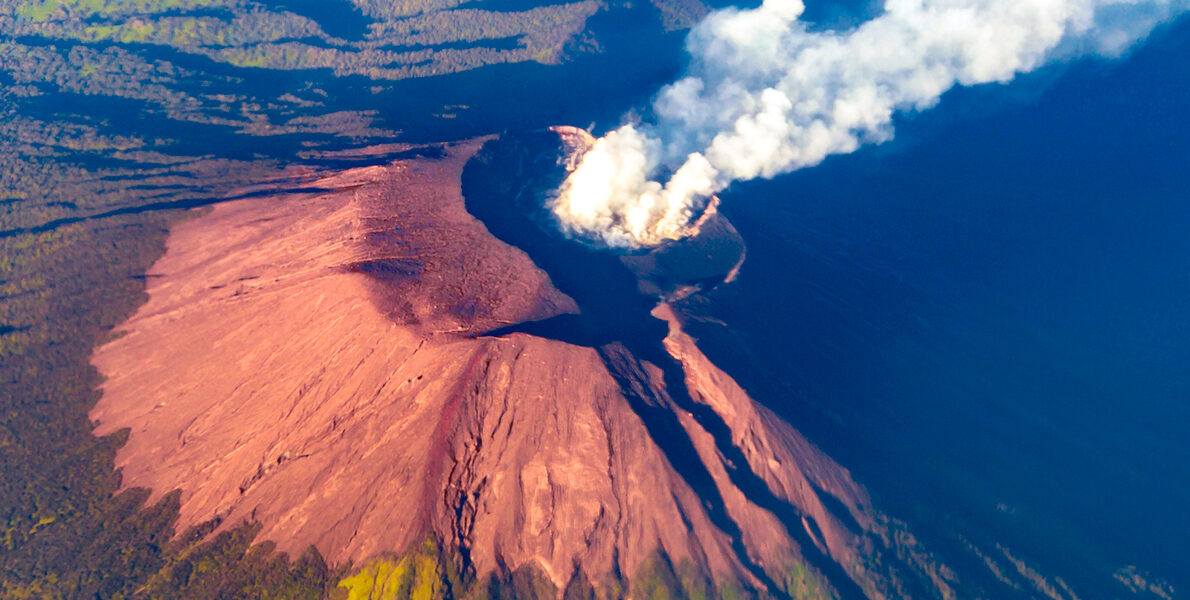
[{"x": 415, "y": 353}]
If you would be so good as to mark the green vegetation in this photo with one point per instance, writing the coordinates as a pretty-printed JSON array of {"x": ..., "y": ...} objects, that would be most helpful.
[
  {"x": 231, "y": 567},
  {"x": 415, "y": 576},
  {"x": 66, "y": 533},
  {"x": 803, "y": 585},
  {"x": 410, "y": 39},
  {"x": 659, "y": 579},
  {"x": 41, "y": 10}
]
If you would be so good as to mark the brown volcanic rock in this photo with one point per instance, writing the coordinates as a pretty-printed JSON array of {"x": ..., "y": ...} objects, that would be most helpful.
[
  {"x": 262, "y": 348},
  {"x": 559, "y": 471},
  {"x": 791, "y": 468},
  {"x": 308, "y": 362},
  {"x": 291, "y": 367}
]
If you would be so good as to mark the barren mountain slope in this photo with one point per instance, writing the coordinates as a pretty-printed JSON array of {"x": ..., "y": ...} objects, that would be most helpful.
[{"x": 311, "y": 362}]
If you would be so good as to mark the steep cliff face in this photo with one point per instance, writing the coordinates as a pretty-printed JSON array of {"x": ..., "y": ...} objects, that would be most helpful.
[{"x": 316, "y": 363}]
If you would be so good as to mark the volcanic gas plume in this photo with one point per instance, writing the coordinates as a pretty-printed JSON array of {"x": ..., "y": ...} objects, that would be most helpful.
[{"x": 766, "y": 95}]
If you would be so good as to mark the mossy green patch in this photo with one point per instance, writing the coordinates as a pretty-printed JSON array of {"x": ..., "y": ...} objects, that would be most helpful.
[
  {"x": 527, "y": 582},
  {"x": 415, "y": 576},
  {"x": 41, "y": 10},
  {"x": 801, "y": 584},
  {"x": 659, "y": 579},
  {"x": 38, "y": 11},
  {"x": 137, "y": 31}
]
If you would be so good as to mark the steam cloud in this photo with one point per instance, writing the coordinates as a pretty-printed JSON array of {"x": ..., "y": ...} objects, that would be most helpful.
[{"x": 764, "y": 95}]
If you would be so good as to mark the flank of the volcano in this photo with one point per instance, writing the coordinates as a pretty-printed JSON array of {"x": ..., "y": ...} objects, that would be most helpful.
[{"x": 317, "y": 363}]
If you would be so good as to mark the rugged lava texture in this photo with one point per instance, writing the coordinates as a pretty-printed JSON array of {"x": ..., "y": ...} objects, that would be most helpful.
[{"x": 310, "y": 362}]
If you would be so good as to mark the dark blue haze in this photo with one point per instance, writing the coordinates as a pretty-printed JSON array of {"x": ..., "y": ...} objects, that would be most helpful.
[{"x": 988, "y": 320}]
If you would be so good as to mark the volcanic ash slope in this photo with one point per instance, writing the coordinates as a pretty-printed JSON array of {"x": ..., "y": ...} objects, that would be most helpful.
[{"x": 309, "y": 362}]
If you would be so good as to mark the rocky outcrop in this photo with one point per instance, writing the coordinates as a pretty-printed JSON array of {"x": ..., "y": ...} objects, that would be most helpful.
[{"x": 316, "y": 363}]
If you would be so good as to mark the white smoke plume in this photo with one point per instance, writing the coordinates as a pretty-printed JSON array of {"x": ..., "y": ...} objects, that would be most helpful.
[{"x": 765, "y": 95}]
